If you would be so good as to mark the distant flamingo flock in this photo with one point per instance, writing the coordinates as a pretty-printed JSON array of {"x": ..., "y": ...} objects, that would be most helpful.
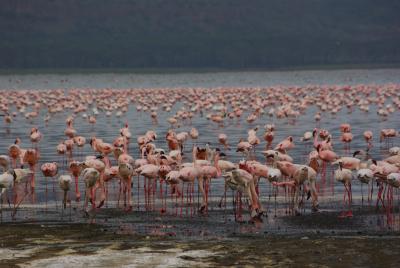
[{"x": 177, "y": 178}]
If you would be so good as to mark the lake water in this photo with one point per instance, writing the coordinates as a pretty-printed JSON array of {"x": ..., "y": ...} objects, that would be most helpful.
[{"x": 219, "y": 224}]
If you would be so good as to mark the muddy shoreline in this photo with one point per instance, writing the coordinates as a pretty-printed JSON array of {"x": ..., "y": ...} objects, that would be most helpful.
[{"x": 51, "y": 243}]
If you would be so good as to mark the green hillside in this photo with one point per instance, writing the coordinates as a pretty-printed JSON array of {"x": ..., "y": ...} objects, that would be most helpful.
[{"x": 197, "y": 33}]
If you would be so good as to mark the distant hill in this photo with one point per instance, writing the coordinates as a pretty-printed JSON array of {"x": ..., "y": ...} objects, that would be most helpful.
[{"x": 197, "y": 33}]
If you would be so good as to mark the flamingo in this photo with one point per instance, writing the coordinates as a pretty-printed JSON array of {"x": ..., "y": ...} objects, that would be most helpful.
[
  {"x": 15, "y": 152},
  {"x": 347, "y": 137},
  {"x": 65, "y": 182},
  {"x": 368, "y": 139},
  {"x": 36, "y": 136},
  {"x": 95, "y": 162},
  {"x": 31, "y": 157},
  {"x": 125, "y": 172},
  {"x": 244, "y": 147},
  {"x": 285, "y": 145},
  {"x": 242, "y": 181},
  {"x": 90, "y": 176},
  {"x": 75, "y": 169},
  {"x": 345, "y": 176},
  {"x": 4, "y": 162},
  {"x": 207, "y": 173},
  {"x": 366, "y": 176},
  {"x": 394, "y": 150},
  {"x": 49, "y": 170},
  {"x": 10, "y": 179},
  {"x": 222, "y": 138},
  {"x": 307, "y": 136},
  {"x": 269, "y": 138}
]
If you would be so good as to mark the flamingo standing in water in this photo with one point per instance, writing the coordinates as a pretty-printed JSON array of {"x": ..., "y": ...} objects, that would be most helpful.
[
  {"x": 49, "y": 170},
  {"x": 96, "y": 163},
  {"x": 65, "y": 182},
  {"x": 92, "y": 119},
  {"x": 194, "y": 134},
  {"x": 207, "y": 173},
  {"x": 366, "y": 176},
  {"x": 285, "y": 145},
  {"x": 80, "y": 142},
  {"x": 36, "y": 136},
  {"x": 70, "y": 132},
  {"x": 244, "y": 147},
  {"x": 368, "y": 139},
  {"x": 126, "y": 172},
  {"x": 327, "y": 156},
  {"x": 346, "y": 137},
  {"x": 75, "y": 169},
  {"x": 302, "y": 176},
  {"x": 269, "y": 137},
  {"x": 345, "y": 176},
  {"x": 11, "y": 179},
  {"x": 15, "y": 152},
  {"x": 222, "y": 138},
  {"x": 252, "y": 138},
  {"x": 307, "y": 136},
  {"x": 31, "y": 157},
  {"x": 62, "y": 150},
  {"x": 188, "y": 174},
  {"x": 243, "y": 182},
  {"x": 90, "y": 176},
  {"x": 126, "y": 134},
  {"x": 150, "y": 173}
]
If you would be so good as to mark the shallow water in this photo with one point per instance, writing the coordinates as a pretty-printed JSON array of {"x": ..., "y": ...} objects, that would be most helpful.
[
  {"x": 219, "y": 224},
  {"x": 203, "y": 79}
]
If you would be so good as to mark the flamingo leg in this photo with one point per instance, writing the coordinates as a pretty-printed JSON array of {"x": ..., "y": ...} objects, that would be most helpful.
[
  {"x": 203, "y": 194},
  {"x": 77, "y": 193},
  {"x": 161, "y": 196},
  {"x": 129, "y": 193},
  {"x": 350, "y": 194},
  {"x": 93, "y": 196},
  {"x": 145, "y": 192},
  {"x": 16, "y": 206},
  {"x": 86, "y": 198},
  {"x": 65, "y": 200},
  {"x": 183, "y": 190},
  {"x": 138, "y": 191},
  {"x": 102, "y": 190},
  {"x": 119, "y": 191},
  {"x": 343, "y": 214}
]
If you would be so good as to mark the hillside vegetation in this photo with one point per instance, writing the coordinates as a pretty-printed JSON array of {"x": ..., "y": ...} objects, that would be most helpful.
[{"x": 197, "y": 33}]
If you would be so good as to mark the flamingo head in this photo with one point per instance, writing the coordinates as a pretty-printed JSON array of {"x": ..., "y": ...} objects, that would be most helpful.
[
  {"x": 314, "y": 132},
  {"x": 304, "y": 169},
  {"x": 33, "y": 130}
]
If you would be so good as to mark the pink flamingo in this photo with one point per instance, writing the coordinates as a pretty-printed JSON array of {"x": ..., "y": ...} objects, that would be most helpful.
[
  {"x": 31, "y": 157},
  {"x": 49, "y": 170},
  {"x": 125, "y": 172},
  {"x": 368, "y": 139},
  {"x": 75, "y": 169},
  {"x": 345, "y": 176}
]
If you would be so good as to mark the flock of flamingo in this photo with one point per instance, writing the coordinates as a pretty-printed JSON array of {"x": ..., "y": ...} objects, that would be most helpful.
[{"x": 174, "y": 173}]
